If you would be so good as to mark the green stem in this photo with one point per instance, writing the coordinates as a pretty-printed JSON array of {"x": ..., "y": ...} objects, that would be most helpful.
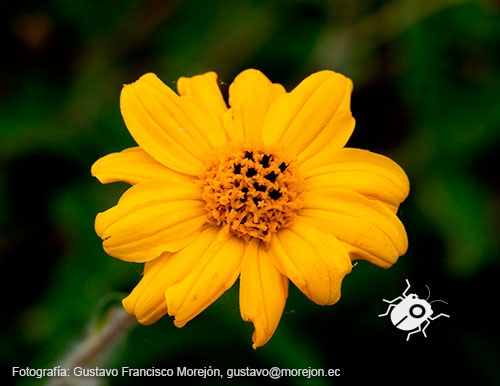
[{"x": 96, "y": 345}]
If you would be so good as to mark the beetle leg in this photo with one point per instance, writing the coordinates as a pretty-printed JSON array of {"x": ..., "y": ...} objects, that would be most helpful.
[
  {"x": 413, "y": 332},
  {"x": 407, "y": 288},
  {"x": 388, "y": 310},
  {"x": 437, "y": 316},
  {"x": 427, "y": 322},
  {"x": 392, "y": 301}
]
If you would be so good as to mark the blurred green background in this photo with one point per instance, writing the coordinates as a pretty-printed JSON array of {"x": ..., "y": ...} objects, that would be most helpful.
[{"x": 426, "y": 93}]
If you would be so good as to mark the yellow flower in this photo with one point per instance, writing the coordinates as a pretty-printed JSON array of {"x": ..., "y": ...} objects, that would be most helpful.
[{"x": 263, "y": 190}]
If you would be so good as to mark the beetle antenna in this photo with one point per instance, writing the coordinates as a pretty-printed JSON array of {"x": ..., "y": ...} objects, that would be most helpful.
[
  {"x": 428, "y": 289},
  {"x": 438, "y": 301}
]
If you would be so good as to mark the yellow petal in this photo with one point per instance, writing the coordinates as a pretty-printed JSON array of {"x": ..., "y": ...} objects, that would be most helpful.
[
  {"x": 250, "y": 96},
  {"x": 206, "y": 90},
  {"x": 367, "y": 228},
  {"x": 174, "y": 130},
  {"x": 277, "y": 90},
  {"x": 132, "y": 165},
  {"x": 313, "y": 117},
  {"x": 147, "y": 300},
  {"x": 312, "y": 258},
  {"x": 263, "y": 292},
  {"x": 370, "y": 174},
  {"x": 152, "y": 218},
  {"x": 148, "y": 294},
  {"x": 215, "y": 273},
  {"x": 233, "y": 132}
]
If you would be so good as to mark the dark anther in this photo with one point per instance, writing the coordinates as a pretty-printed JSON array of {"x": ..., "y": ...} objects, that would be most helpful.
[
  {"x": 256, "y": 201},
  {"x": 265, "y": 160},
  {"x": 274, "y": 194},
  {"x": 251, "y": 172},
  {"x": 237, "y": 184},
  {"x": 249, "y": 155},
  {"x": 237, "y": 168},
  {"x": 243, "y": 220},
  {"x": 260, "y": 188},
  {"x": 283, "y": 167},
  {"x": 271, "y": 177},
  {"x": 244, "y": 190}
]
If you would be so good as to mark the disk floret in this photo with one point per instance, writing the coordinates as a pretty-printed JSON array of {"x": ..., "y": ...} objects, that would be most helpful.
[{"x": 254, "y": 189}]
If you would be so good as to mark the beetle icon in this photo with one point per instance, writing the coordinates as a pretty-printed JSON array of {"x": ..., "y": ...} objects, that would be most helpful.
[{"x": 411, "y": 313}]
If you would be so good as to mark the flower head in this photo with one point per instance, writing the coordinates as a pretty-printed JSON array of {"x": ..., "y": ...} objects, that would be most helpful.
[{"x": 263, "y": 190}]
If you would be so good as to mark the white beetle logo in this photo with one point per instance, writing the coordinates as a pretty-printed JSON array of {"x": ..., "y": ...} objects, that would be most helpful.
[{"x": 411, "y": 313}]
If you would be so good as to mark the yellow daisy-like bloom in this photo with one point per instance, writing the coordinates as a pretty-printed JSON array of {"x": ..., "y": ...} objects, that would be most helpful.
[{"x": 263, "y": 190}]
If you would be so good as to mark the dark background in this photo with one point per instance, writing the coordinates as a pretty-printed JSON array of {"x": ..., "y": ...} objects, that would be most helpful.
[{"x": 426, "y": 93}]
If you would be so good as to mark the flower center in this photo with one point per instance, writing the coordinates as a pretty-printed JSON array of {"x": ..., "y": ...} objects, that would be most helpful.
[{"x": 252, "y": 188}]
